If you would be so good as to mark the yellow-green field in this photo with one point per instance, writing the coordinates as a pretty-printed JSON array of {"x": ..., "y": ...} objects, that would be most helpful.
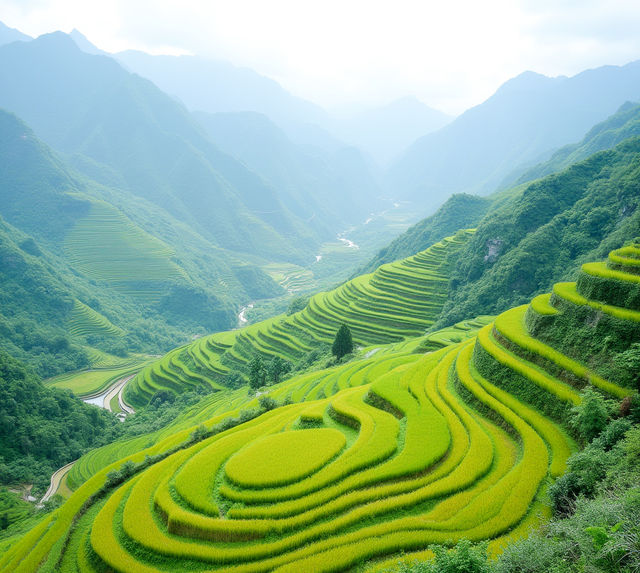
[{"x": 405, "y": 450}]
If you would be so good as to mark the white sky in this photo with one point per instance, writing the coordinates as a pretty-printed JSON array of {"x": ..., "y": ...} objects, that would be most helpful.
[{"x": 451, "y": 54}]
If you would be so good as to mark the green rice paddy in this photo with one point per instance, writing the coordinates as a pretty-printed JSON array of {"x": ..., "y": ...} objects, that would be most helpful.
[{"x": 406, "y": 450}]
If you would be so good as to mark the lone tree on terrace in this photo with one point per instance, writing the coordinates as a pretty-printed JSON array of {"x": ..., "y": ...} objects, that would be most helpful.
[{"x": 343, "y": 343}]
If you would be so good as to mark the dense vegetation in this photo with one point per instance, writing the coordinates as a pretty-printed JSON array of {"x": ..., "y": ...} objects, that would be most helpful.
[
  {"x": 409, "y": 450},
  {"x": 546, "y": 231},
  {"x": 41, "y": 429},
  {"x": 268, "y": 447},
  {"x": 460, "y": 211}
]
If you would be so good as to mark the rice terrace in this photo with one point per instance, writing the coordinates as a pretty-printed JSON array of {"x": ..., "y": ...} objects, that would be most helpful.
[
  {"x": 282, "y": 289},
  {"x": 404, "y": 451}
]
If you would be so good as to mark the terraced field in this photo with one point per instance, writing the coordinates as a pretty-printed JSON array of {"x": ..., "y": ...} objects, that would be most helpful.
[
  {"x": 90, "y": 382},
  {"x": 397, "y": 302},
  {"x": 84, "y": 321},
  {"x": 407, "y": 451},
  {"x": 108, "y": 247},
  {"x": 292, "y": 278}
]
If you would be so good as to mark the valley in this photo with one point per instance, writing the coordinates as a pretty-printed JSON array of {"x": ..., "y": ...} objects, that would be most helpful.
[{"x": 240, "y": 332}]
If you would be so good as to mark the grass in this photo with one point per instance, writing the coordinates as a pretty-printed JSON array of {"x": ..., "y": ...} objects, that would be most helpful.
[
  {"x": 284, "y": 458},
  {"x": 84, "y": 321},
  {"x": 396, "y": 303},
  {"x": 91, "y": 382}
]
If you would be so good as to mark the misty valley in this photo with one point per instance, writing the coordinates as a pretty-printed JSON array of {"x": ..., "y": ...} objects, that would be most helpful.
[{"x": 242, "y": 332}]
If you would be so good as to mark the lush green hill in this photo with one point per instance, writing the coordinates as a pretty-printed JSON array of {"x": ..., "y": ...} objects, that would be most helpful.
[
  {"x": 41, "y": 428},
  {"x": 70, "y": 238},
  {"x": 403, "y": 451},
  {"x": 398, "y": 301},
  {"x": 460, "y": 211},
  {"x": 122, "y": 130},
  {"x": 546, "y": 230}
]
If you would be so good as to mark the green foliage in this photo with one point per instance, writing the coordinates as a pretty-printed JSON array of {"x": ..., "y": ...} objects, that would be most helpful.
[
  {"x": 460, "y": 211},
  {"x": 257, "y": 373},
  {"x": 13, "y": 509},
  {"x": 629, "y": 361},
  {"x": 276, "y": 368},
  {"x": 601, "y": 532},
  {"x": 590, "y": 416},
  {"x": 342, "y": 343},
  {"x": 588, "y": 468},
  {"x": 542, "y": 234},
  {"x": 297, "y": 304},
  {"x": 41, "y": 428},
  {"x": 463, "y": 558}
]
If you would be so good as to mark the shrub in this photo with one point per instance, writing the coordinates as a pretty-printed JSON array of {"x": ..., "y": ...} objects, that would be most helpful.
[{"x": 590, "y": 416}]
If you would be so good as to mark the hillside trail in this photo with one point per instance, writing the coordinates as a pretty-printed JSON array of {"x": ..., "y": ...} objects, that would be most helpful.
[{"x": 56, "y": 480}]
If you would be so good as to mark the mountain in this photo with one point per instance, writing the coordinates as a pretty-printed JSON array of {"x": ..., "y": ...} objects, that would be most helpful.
[
  {"x": 545, "y": 230},
  {"x": 65, "y": 240},
  {"x": 323, "y": 187},
  {"x": 217, "y": 86},
  {"x": 460, "y": 211},
  {"x": 407, "y": 449},
  {"x": 529, "y": 116},
  {"x": 625, "y": 123},
  {"x": 8, "y": 35},
  {"x": 121, "y": 130},
  {"x": 85, "y": 45},
  {"x": 385, "y": 132}
]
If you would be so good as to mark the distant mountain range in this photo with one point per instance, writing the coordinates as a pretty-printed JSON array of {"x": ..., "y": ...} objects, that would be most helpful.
[
  {"x": 8, "y": 35},
  {"x": 521, "y": 124}
]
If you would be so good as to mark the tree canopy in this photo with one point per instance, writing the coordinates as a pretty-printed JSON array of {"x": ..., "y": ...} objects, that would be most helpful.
[{"x": 343, "y": 343}]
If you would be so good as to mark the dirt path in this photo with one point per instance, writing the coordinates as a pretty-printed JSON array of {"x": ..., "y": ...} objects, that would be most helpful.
[{"x": 56, "y": 480}]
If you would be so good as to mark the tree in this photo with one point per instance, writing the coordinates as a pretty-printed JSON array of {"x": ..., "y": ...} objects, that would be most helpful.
[
  {"x": 590, "y": 416},
  {"x": 257, "y": 373},
  {"x": 343, "y": 343},
  {"x": 276, "y": 368}
]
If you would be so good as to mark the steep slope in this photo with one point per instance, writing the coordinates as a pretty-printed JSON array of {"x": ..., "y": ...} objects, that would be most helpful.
[
  {"x": 152, "y": 276},
  {"x": 625, "y": 123},
  {"x": 89, "y": 107},
  {"x": 543, "y": 233},
  {"x": 43, "y": 428},
  {"x": 456, "y": 444},
  {"x": 461, "y": 211},
  {"x": 527, "y": 117},
  {"x": 326, "y": 188},
  {"x": 8, "y": 35},
  {"x": 398, "y": 301},
  {"x": 217, "y": 86}
]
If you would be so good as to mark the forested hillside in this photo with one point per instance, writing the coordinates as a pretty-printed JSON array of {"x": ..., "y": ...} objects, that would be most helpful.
[{"x": 546, "y": 231}]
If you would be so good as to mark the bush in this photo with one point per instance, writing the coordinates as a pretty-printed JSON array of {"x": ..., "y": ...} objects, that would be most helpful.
[{"x": 590, "y": 416}]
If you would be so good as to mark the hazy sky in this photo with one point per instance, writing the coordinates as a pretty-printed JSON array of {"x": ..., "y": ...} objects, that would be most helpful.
[{"x": 450, "y": 54}]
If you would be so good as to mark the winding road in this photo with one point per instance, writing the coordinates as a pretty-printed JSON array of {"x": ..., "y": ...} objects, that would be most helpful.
[
  {"x": 103, "y": 400},
  {"x": 56, "y": 480}
]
